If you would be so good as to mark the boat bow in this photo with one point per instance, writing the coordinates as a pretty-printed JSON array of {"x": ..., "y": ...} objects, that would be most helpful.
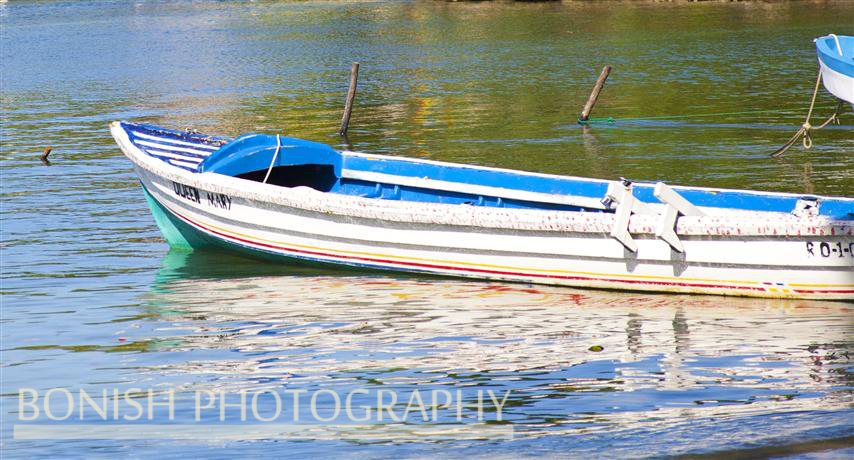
[{"x": 836, "y": 60}]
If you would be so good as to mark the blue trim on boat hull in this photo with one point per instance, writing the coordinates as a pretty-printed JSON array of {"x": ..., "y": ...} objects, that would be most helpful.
[
  {"x": 255, "y": 152},
  {"x": 829, "y": 55},
  {"x": 185, "y": 150}
]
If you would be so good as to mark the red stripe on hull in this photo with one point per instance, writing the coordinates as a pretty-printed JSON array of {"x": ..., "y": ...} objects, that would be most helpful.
[{"x": 487, "y": 271}]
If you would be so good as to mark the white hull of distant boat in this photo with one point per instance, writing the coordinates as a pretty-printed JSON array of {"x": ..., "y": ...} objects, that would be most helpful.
[
  {"x": 838, "y": 84},
  {"x": 615, "y": 240},
  {"x": 836, "y": 60}
]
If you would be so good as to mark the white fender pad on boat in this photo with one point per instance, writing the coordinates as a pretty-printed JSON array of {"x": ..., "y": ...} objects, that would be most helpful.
[
  {"x": 676, "y": 204},
  {"x": 621, "y": 193},
  {"x": 626, "y": 204}
]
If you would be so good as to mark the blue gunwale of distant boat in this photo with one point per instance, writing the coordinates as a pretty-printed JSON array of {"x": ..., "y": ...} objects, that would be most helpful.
[
  {"x": 394, "y": 213},
  {"x": 836, "y": 60}
]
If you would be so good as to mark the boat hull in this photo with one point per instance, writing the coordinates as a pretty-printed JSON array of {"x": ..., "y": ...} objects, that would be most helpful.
[
  {"x": 836, "y": 61},
  {"x": 190, "y": 218},
  {"x": 838, "y": 84},
  {"x": 761, "y": 254}
]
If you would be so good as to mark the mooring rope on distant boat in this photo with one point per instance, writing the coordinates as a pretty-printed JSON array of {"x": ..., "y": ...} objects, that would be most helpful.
[{"x": 807, "y": 127}]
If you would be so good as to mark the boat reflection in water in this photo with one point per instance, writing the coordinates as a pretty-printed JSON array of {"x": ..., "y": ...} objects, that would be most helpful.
[{"x": 577, "y": 361}]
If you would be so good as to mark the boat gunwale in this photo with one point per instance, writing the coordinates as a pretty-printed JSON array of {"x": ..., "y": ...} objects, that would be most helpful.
[
  {"x": 844, "y": 63},
  {"x": 644, "y": 184},
  {"x": 639, "y": 184},
  {"x": 741, "y": 224}
]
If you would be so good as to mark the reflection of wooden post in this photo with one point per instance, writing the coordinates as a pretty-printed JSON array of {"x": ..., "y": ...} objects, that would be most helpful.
[
  {"x": 45, "y": 154},
  {"x": 807, "y": 178},
  {"x": 351, "y": 94},
  {"x": 591, "y": 101}
]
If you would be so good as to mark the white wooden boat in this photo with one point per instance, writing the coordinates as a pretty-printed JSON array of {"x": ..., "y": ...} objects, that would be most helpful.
[
  {"x": 836, "y": 60},
  {"x": 293, "y": 200}
]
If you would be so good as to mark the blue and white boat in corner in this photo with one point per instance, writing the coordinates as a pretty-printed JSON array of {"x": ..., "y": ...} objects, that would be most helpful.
[
  {"x": 294, "y": 200},
  {"x": 836, "y": 60}
]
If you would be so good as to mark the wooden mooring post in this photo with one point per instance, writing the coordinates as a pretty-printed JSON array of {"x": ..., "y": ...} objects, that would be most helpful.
[
  {"x": 351, "y": 95},
  {"x": 597, "y": 88}
]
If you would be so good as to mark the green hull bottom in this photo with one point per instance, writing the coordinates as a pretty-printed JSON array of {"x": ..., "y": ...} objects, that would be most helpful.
[{"x": 178, "y": 234}]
